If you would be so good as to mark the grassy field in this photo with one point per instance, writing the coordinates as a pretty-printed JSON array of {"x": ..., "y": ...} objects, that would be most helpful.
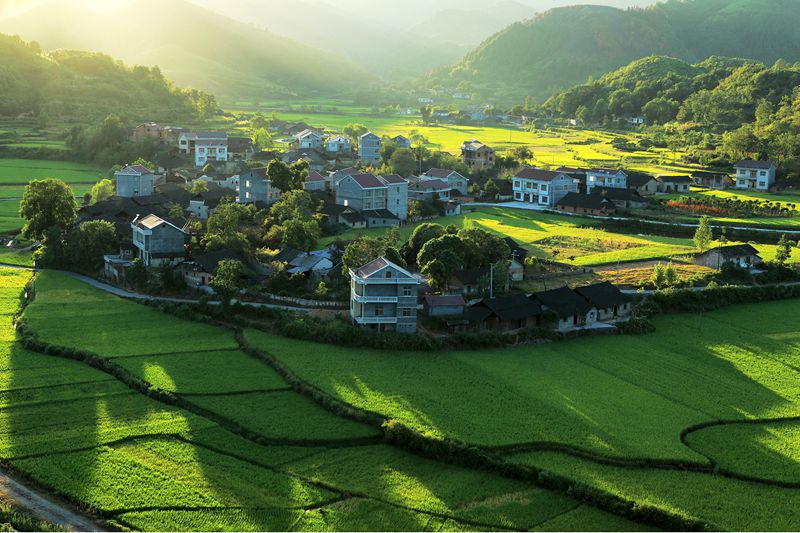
[
  {"x": 168, "y": 470},
  {"x": 578, "y": 241},
  {"x": 21, "y": 171}
]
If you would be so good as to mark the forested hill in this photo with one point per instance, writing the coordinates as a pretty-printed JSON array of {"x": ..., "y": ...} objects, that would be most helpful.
[
  {"x": 566, "y": 46},
  {"x": 83, "y": 87},
  {"x": 193, "y": 47}
]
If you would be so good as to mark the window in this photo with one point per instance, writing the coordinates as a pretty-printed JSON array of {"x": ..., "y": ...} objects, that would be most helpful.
[
  {"x": 543, "y": 187},
  {"x": 763, "y": 172},
  {"x": 407, "y": 291},
  {"x": 388, "y": 274},
  {"x": 379, "y": 311},
  {"x": 407, "y": 312}
]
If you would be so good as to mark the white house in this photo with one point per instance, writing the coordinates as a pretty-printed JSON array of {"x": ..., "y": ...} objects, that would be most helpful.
[
  {"x": 383, "y": 297},
  {"x": 204, "y": 146},
  {"x": 307, "y": 140},
  {"x": 542, "y": 187},
  {"x": 606, "y": 177},
  {"x": 339, "y": 144},
  {"x": 754, "y": 175}
]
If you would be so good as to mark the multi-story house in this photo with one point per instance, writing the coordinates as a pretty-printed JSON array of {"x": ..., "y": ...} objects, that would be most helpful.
[
  {"x": 369, "y": 148},
  {"x": 134, "y": 180},
  {"x": 339, "y": 144},
  {"x": 477, "y": 155},
  {"x": 401, "y": 141},
  {"x": 362, "y": 192},
  {"x": 428, "y": 190},
  {"x": 383, "y": 297},
  {"x": 542, "y": 187},
  {"x": 314, "y": 182},
  {"x": 255, "y": 186},
  {"x": 334, "y": 178},
  {"x": 456, "y": 181},
  {"x": 149, "y": 130},
  {"x": 158, "y": 241},
  {"x": 606, "y": 177},
  {"x": 396, "y": 195},
  {"x": 755, "y": 175},
  {"x": 307, "y": 140},
  {"x": 205, "y": 147}
]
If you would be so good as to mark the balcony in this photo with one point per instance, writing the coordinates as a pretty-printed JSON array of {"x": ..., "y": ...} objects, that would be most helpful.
[
  {"x": 364, "y": 320},
  {"x": 375, "y": 299},
  {"x": 385, "y": 281}
]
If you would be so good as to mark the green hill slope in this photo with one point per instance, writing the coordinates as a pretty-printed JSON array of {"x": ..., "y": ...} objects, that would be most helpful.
[
  {"x": 565, "y": 46},
  {"x": 83, "y": 87},
  {"x": 192, "y": 45}
]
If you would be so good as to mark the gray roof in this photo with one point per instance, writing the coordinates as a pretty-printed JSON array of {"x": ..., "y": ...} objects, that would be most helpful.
[
  {"x": 563, "y": 302},
  {"x": 603, "y": 295},
  {"x": 367, "y": 181},
  {"x": 733, "y": 250},
  {"x": 539, "y": 174},
  {"x": 758, "y": 165},
  {"x": 675, "y": 179},
  {"x": 438, "y": 173}
]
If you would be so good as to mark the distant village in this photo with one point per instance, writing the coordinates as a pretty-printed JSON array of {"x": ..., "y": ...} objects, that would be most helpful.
[{"x": 155, "y": 214}]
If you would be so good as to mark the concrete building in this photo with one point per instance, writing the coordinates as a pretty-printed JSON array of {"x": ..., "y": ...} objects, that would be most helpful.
[
  {"x": 456, "y": 181},
  {"x": 755, "y": 175},
  {"x": 477, "y": 155},
  {"x": 396, "y": 195},
  {"x": 134, "y": 180},
  {"x": 339, "y": 144},
  {"x": 255, "y": 186},
  {"x": 158, "y": 241},
  {"x": 205, "y": 147},
  {"x": 369, "y": 148},
  {"x": 542, "y": 187},
  {"x": 606, "y": 177},
  {"x": 383, "y": 297}
]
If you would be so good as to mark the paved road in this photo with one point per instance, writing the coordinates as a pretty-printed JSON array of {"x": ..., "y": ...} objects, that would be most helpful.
[{"x": 43, "y": 506}]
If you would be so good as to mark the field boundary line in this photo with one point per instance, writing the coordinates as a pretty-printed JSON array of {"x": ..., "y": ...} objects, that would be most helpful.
[{"x": 234, "y": 393}]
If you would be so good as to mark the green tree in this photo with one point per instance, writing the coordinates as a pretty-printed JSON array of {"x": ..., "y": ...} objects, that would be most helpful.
[
  {"x": 426, "y": 111},
  {"x": 421, "y": 235},
  {"x": 262, "y": 139},
  {"x": 664, "y": 275},
  {"x": 362, "y": 252},
  {"x": 434, "y": 248},
  {"x": 293, "y": 205},
  {"x": 354, "y": 131},
  {"x": 199, "y": 187},
  {"x": 89, "y": 243},
  {"x": 783, "y": 252},
  {"x": 300, "y": 234},
  {"x": 280, "y": 175},
  {"x": 491, "y": 190},
  {"x": 703, "y": 236},
  {"x": 102, "y": 191},
  {"x": 228, "y": 280},
  {"x": 228, "y": 226},
  {"x": 442, "y": 268},
  {"x": 137, "y": 275},
  {"x": 491, "y": 247},
  {"x": 403, "y": 162},
  {"x": 46, "y": 204}
]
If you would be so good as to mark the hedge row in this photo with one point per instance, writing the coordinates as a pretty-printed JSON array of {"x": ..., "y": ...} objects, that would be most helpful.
[{"x": 710, "y": 299}]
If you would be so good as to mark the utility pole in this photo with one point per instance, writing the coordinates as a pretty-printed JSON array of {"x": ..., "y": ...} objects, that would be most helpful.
[{"x": 491, "y": 280}]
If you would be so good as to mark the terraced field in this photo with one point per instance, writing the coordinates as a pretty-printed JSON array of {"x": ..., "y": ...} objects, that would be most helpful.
[{"x": 238, "y": 451}]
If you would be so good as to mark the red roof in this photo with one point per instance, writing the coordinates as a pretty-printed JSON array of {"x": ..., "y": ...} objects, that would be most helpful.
[
  {"x": 313, "y": 175},
  {"x": 538, "y": 174}
]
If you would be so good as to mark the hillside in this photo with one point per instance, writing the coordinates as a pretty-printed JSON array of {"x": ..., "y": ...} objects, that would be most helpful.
[
  {"x": 193, "y": 46},
  {"x": 565, "y": 46},
  {"x": 81, "y": 87}
]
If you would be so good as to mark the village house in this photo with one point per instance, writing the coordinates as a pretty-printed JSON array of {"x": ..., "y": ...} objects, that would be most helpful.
[
  {"x": 509, "y": 313},
  {"x": 571, "y": 310},
  {"x": 199, "y": 269},
  {"x": 369, "y": 148},
  {"x": 611, "y": 303},
  {"x": 577, "y": 174},
  {"x": 361, "y": 192},
  {"x": 622, "y": 198},
  {"x": 115, "y": 266},
  {"x": 443, "y": 305},
  {"x": 542, "y": 187},
  {"x": 712, "y": 180},
  {"x": 741, "y": 255},
  {"x": 134, "y": 180},
  {"x": 396, "y": 195},
  {"x": 755, "y": 175},
  {"x": 429, "y": 189},
  {"x": 586, "y": 204},
  {"x": 334, "y": 178},
  {"x": 456, "y": 181},
  {"x": 383, "y": 297},
  {"x": 401, "y": 142},
  {"x": 352, "y": 219},
  {"x": 381, "y": 200},
  {"x": 157, "y": 240},
  {"x": 204, "y": 147},
  {"x": 674, "y": 184},
  {"x": 477, "y": 155},
  {"x": 255, "y": 186},
  {"x": 151, "y": 130},
  {"x": 606, "y": 177},
  {"x": 307, "y": 140},
  {"x": 643, "y": 184},
  {"x": 240, "y": 149},
  {"x": 315, "y": 182},
  {"x": 339, "y": 144},
  {"x": 315, "y": 265},
  {"x": 204, "y": 204}
]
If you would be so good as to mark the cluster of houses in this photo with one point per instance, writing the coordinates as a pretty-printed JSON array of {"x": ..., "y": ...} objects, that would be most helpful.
[
  {"x": 385, "y": 296},
  {"x": 601, "y": 191}
]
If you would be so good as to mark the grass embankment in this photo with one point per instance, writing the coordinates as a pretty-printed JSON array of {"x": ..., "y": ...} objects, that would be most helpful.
[{"x": 153, "y": 467}]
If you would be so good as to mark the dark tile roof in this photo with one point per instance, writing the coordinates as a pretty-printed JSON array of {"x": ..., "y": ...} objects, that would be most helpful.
[
  {"x": 379, "y": 213},
  {"x": 733, "y": 250},
  {"x": 392, "y": 179},
  {"x": 603, "y": 295},
  {"x": 213, "y": 197},
  {"x": 314, "y": 176},
  {"x": 239, "y": 144},
  {"x": 367, "y": 181},
  {"x": 585, "y": 201},
  {"x": 209, "y": 261},
  {"x": 254, "y": 173},
  {"x": 612, "y": 193},
  {"x": 438, "y": 173},
  {"x": 352, "y": 217},
  {"x": 675, "y": 179},
  {"x": 639, "y": 179},
  {"x": 703, "y": 174},
  {"x": 563, "y": 302},
  {"x": 432, "y": 185},
  {"x": 513, "y": 307},
  {"x": 373, "y": 267},
  {"x": 758, "y": 165},
  {"x": 445, "y": 300},
  {"x": 538, "y": 174},
  {"x": 138, "y": 169}
]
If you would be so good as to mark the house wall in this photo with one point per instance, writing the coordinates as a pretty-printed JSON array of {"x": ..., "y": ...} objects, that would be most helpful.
[
  {"x": 253, "y": 188},
  {"x": 397, "y": 199},
  {"x": 614, "y": 313},
  {"x": 751, "y": 179},
  {"x": 369, "y": 149},
  {"x": 133, "y": 185},
  {"x": 618, "y": 180},
  {"x": 374, "y": 222},
  {"x": 402, "y": 311}
]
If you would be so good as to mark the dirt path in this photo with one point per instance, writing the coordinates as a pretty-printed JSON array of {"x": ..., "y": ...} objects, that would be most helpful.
[{"x": 43, "y": 506}]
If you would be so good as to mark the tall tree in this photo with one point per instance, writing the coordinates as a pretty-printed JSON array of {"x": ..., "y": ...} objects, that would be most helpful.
[
  {"x": 46, "y": 204},
  {"x": 102, "y": 191},
  {"x": 228, "y": 280},
  {"x": 703, "y": 236}
]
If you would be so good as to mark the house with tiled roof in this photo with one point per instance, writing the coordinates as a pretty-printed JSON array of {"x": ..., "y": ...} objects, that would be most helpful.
[
  {"x": 542, "y": 187},
  {"x": 586, "y": 204},
  {"x": 204, "y": 146},
  {"x": 157, "y": 240},
  {"x": 315, "y": 181},
  {"x": 455, "y": 180},
  {"x": 477, "y": 155},
  {"x": 339, "y": 144},
  {"x": 307, "y": 140},
  {"x": 570, "y": 309},
  {"x": 396, "y": 195},
  {"x": 134, "y": 180},
  {"x": 426, "y": 190},
  {"x": 376, "y": 194},
  {"x": 754, "y": 175},
  {"x": 674, "y": 183},
  {"x": 369, "y": 148},
  {"x": 383, "y": 297},
  {"x": 255, "y": 186},
  {"x": 401, "y": 141},
  {"x": 606, "y": 177},
  {"x": 712, "y": 180}
]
